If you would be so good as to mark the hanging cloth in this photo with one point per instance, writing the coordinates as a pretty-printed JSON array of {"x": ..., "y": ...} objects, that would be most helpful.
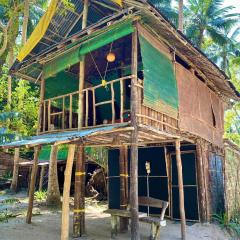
[{"x": 39, "y": 31}]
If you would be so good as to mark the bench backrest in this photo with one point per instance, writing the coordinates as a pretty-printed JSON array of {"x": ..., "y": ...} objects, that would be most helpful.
[{"x": 153, "y": 202}]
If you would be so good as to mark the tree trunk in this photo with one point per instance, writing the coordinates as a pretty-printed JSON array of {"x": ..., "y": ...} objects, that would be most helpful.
[
  {"x": 53, "y": 193},
  {"x": 41, "y": 178},
  {"x": 25, "y": 21},
  {"x": 32, "y": 184},
  {"x": 14, "y": 183},
  {"x": 180, "y": 16},
  {"x": 10, "y": 63}
]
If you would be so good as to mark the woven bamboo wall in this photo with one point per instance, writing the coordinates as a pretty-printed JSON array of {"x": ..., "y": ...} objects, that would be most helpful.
[{"x": 232, "y": 179}]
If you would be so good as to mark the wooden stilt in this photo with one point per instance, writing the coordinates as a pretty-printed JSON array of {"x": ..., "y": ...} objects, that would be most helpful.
[
  {"x": 126, "y": 171},
  {"x": 40, "y": 188},
  {"x": 32, "y": 184},
  {"x": 14, "y": 183},
  {"x": 201, "y": 185},
  {"x": 123, "y": 198},
  {"x": 66, "y": 193},
  {"x": 53, "y": 193},
  {"x": 82, "y": 72},
  {"x": 181, "y": 191},
  {"x": 134, "y": 143},
  {"x": 79, "y": 191},
  {"x": 79, "y": 197}
]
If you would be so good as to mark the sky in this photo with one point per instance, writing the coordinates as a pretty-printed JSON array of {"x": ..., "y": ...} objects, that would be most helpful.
[{"x": 235, "y": 3}]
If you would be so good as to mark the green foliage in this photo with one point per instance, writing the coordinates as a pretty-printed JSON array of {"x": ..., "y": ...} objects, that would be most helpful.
[
  {"x": 98, "y": 155},
  {"x": 11, "y": 201},
  {"x": 5, "y": 215},
  {"x": 232, "y": 225},
  {"x": 7, "y": 175},
  {"x": 40, "y": 196},
  {"x": 208, "y": 18}
]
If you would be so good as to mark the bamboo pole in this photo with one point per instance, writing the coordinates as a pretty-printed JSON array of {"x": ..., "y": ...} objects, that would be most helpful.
[
  {"x": 122, "y": 101},
  {"x": 181, "y": 191},
  {"x": 66, "y": 193},
  {"x": 14, "y": 183},
  {"x": 79, "y": 197},
  {"x": 82, "y": 71},
  {"x": 134, "y": 142},
  {"x": 79, "y": 191},
  {"x": 201, "y": 188},
  {"x": 113, "y": 103},
  {"x": 70, "y": 111},
  {"x": 40, "y": 110},
  {"x": 123, "y": 198},
  {"x": 32, "y": 184}
]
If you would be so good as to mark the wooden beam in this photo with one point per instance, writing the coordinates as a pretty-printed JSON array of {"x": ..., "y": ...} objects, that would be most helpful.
[
  {"x": 181, "y": 191},
  {"x": 79, "y": 197},
  {"x": 134, "y": 142},
  {"x": 32, "y": 184},
  {"x": 66, "y": 193}
]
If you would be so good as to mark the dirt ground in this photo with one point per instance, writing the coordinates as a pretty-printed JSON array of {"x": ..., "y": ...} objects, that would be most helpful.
[{"x": 46, "y": 224}]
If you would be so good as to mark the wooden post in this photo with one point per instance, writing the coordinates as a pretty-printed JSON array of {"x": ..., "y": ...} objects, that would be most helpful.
[
  {"x": 66, "y": 193},
  {"x": 40, "y": 188},
  {"x": 82, "y": 72},
  {"x": 40, "y": 110},
  {"x": 79, "y": 197},
  {"x": 53, "y": 193},
  {"x": 134, "y": 143},
  {"x": 201, "y": 185},
  {"x": 32, "y": 184},
  {"x": 181, "y": 191},
  {"x": 14, "y": 183},
  {"x": 79, "y": 190},
  {"x": 123, "y": 198}
]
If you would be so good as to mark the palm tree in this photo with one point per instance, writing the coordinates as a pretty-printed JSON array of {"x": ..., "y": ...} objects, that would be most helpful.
[
  {"x": 180, "y": 15},
  {"x": 208, "y": 18},
  {"x": 165, "y": 7},
  {"x": 227, "y": 51}
]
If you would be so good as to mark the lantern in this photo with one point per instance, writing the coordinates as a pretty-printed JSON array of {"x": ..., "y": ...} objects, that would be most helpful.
[{"x": 111, "y": 57}]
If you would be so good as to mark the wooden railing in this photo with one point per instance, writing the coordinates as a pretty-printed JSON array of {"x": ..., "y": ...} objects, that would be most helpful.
[{"x": 61, "y": 112}]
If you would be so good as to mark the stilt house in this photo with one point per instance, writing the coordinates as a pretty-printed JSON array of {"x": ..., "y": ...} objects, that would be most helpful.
[{"x": 118, "y": 74}]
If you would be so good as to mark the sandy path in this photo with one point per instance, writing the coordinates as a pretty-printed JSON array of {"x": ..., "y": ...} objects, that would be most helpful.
[{"x": 47, "y": 227}]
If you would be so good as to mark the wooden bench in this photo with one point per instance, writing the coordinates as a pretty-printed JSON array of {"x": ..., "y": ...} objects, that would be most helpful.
[{"x": 156, "y": 222}]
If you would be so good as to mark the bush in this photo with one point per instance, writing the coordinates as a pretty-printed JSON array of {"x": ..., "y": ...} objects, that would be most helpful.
[
  {"x": 40, "y": 195},
  {"x": 232, "y": 225}
]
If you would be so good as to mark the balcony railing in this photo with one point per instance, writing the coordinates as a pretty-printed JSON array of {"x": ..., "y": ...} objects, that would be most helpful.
[{"x": 61, "y": 112}]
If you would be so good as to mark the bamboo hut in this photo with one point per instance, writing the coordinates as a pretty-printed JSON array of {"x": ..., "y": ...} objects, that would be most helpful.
[{"x": 118, "y": 74}]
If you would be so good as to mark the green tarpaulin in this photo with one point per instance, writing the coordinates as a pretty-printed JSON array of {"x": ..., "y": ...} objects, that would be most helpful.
[
  {"x": 74, "y": 55},
  {"x": 160, "y": 85},
  {"x": 46, "y": 151}
]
